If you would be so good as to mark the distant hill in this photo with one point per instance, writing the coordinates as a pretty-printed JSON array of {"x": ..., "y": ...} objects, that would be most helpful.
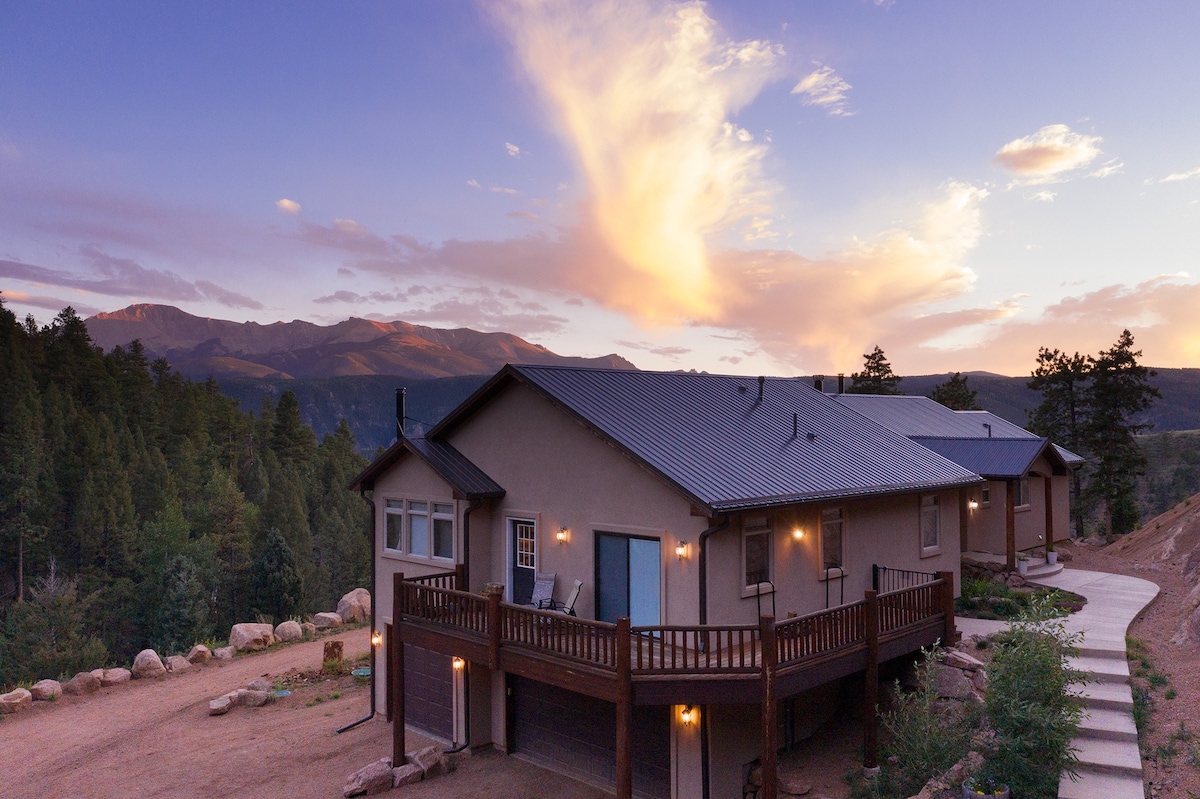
[{"x": 199, "y": 347}]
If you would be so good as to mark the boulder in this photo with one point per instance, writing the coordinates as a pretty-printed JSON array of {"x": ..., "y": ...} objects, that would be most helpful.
[
  {"x": 371, "y": 779},
  {"x": 248, "y": 698},
  {"x": 46, "y": 690},
  {"x": 289, "y": 631},
  {"x": 220, "y": 706},
  {"x": 950, "y": 683},
  {"x": 199, "y": 654},
  {"x": 115, "y": 677},
  {"x": 99, "y": 674},
  {"x": 148, "y": 664},
  {"x": 178, "y": 663},
  {"x": 250, "y": 635},
  {"x": 429, "y": 760},
  {"x": 261, "y": 685},
  {"x": 309, "y": 629},
  {"x": 406, "y": 775},
  {"x": 82, "y": 683},
  {"x": 324, "y": 620},
  {"x": 979, "y": 680},
  {"x": 355, "y": 606},
  {"x": 15, "y": 701},
  {"x": 794, "y": 786},
  {"x": 223, "y": 653},
  {"x": 960, "y": 660}
]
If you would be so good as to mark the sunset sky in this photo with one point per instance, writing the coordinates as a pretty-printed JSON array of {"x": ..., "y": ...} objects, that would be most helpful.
[{"x": 769, "y": 187}]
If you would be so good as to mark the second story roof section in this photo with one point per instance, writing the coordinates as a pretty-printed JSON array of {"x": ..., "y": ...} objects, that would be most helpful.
[
  {"x": 464, "y": 477},
  {"x": 921, "y": 416},
  {"x": 732, "y": 442},
  {"x": 996, "y": 458}
]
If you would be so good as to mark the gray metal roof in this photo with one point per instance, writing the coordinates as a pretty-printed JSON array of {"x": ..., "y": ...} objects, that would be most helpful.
[
  {"x": 921, "y": 416},
  {"x": 1069, "y": 457},
  {"x": 1001, "y": 458},
  {"x": 465, "y": 478},
  {"x": 717, "y": 441}
]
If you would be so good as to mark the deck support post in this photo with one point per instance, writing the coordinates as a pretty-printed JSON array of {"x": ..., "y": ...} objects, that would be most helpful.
[
  {"x": 494, "y": 592},
  {"x": 1010, "y": 525},
  {"x": 770, "y": 726},
  {"x": 624, "y": 710},
  {"x": 396, "y": 678},
  {"x": 1049, "y": 500},
  {"x": 871, "y": 683},
  {"x": 460, "y": 577},
  {"x": 950, "y": 633}
]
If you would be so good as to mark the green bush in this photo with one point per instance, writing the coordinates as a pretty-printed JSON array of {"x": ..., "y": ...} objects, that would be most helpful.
[{"x": 1029, "y": 707}]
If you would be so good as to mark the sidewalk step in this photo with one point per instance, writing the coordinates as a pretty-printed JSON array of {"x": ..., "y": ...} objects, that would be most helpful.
[
  {"x": 1112, "y": 757},
  {"x": 1101, "y": 669},
  {"x": 1099, "y": 785},
  {"x": 1105, "y": 695},
  {"x": 1107, "y": 724}
]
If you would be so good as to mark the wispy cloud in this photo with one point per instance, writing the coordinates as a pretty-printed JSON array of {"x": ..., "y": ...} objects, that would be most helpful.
[
  {"x": 1048, "y": 155},
  {"x": 288, "y": 206},
  {"x": 1108, "y": 168},
  {"x": 1175, "y": 177},
  {"x": 512, "y": 149},
  {"x": 55, "y": 304},
  {"x": 1043, "y": 196},
  {"x": 665, "y": 351},
  {"x": 825, "y": 89}
]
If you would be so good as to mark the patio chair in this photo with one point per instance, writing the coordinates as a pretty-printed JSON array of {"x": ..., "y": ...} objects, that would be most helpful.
[
  {"x": 567, "y": 607},
  {"x": 543, "y": 589}
]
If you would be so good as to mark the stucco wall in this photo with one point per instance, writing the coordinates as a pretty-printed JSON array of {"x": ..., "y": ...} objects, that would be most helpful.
[{"x": 987, "y": 525}]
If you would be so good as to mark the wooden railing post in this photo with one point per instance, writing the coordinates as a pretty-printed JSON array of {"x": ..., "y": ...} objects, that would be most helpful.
[
  {"x": 950, "y": 634},
  {"x": 624, "y": 711},
  {"x": 396, "y": 678},
  {"x": 770, "y": 726},
  {"x": 460, "y": 577},
  {"x": 871, "y": 686},
  {"x": 494, "y": 592}
]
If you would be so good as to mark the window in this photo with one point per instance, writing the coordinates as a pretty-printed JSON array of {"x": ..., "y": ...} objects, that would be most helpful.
[
  {"x": 418, "y": 529},
  {"x": 526, "y": 544},
  {"x": 756, "y": 551},
  {"x": 394, "y": 525},
  {"x": 443, "y": 530},
  {"x": 931, "y": 525},
  {"x": 832, "y": 541},
  {"x": 985, "y": 498},
  {"x": 1021, "y": 492}
]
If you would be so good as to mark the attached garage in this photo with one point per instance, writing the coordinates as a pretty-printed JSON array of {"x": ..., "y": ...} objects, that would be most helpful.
[
  {"x": 576, "y": 735},
  {"x": 428, "y": 690}
]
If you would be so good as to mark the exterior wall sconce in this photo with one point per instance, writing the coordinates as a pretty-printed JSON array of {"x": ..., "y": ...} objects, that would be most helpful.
[
  {"x": 376, "y": 638},
  {"x": 797, "y": 534},
  {"x": 973, "y": 504},
  {"x": 458, "y": 664},
  {"x": 681, "y": 550},
  {"x": 687, "y": 715},
  {"x": 562, "y": 535}
]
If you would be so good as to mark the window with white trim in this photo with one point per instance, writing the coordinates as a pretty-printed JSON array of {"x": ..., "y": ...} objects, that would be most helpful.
[
  {"x": 393, "y": 523},
  {"x": 931, "y": 525},
  {"x": 756, "y": 551},
  {"x": 443, "y": 530},
  {"x": 1021, "y": 493},
  {"x": 833, "y": 523},
  {"x": 526, "y": 537},
  {"x": 419, "y": 528},
  {"x": 985, "y": 496}
]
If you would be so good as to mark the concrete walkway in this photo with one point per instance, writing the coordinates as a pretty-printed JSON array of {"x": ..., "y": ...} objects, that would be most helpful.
[{"x": 1110, "y": 765}]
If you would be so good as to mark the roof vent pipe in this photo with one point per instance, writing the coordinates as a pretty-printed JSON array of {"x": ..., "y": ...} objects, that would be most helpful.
[
  {"x": 819, "y": 382},
  {"x": 400, "y": 413},
  {"x": 841, "y": 382},
  {"x": 761, "y": 381},
  {"x": 795, "y": 425},
  {"x": 989, "y": 429}
]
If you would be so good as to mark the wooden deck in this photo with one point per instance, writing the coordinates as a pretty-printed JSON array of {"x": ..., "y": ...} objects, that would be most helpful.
[{"x": 664, "y": 664}]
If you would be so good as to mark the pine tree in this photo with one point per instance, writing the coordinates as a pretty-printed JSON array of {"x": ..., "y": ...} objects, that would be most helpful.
[
  {"x": 876, "y": 377},
  {"x": 183, "y": 611},
  {"x": 276, "y": 585},
  {"x": 955, "y": 394}
]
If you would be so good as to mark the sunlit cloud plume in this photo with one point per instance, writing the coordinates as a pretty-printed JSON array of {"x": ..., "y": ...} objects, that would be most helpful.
[
  {"x": 665, "y": 351},
  {"x": 1112, "y": 167},
  {"x": 643, "y": 94},
  {"x": 1046, "y": 156},
  {"x": 512, "y": 149},
  {"x": 473, "y": 183},
  {"x": 1178, "y": 176},
  {"x": 288, "y": 206},
  {"x": 42, "y": 301},
  {"x": 826, "y": 90}
]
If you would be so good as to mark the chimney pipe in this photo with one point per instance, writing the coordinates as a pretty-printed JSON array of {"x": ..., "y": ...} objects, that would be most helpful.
[
  {"x": 761, "y": 380},
  {"x": 819, "y": 383},
  {"x": 989, "y": 429},
  {"x": 841, "y": 382},
  {"x": 400, "y": 413}
]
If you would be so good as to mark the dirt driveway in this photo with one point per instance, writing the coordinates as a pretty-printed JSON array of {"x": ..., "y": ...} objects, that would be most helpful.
[{"x": 154, "y": 738}]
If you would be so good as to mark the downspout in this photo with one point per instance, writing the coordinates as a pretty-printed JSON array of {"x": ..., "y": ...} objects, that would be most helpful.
[
  {"x": 374, "y": 602},
  {"x": 716, "y": 528}
]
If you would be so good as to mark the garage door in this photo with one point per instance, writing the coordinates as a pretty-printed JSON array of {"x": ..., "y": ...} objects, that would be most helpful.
[
  {"x": 576, "y": 735},
  {"x": 428, "y": 690}
]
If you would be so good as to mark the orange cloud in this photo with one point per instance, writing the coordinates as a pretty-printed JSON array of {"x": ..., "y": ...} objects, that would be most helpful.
[{"x": 1045, "y": 156}]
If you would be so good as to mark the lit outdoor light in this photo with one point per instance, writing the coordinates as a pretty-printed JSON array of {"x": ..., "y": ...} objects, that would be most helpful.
[
  {"x": 798, "y": 534},
  {"x": 458, "y": 663},
  {"x": 561, "y": 535},
  {"x": 681, "y": 550},
  {"x": 686, "y": 715},
  {"x": 376, "y": 638},
  {"x": 973, "y": 504}
]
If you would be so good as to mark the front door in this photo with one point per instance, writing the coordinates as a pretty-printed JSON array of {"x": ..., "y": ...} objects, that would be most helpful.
[
  {"x": 627, "y": 574},
  {"x": 523, "y": 555}
]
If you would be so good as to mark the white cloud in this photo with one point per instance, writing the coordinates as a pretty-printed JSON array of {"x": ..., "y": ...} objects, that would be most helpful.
[
  {"x": 1111, "y": 167},
  {"x": 473, "y": 183},
  {"x": 1178, "y": 176},
  {"x": 1044, "y": 196},
  {"x": 512, "y": 149},
  {"x": 288, "y": 206},
  {"x": 503, "y": 190},
  {"x": 1046, "y": 156},
  {"x": 825, "y": 89}
]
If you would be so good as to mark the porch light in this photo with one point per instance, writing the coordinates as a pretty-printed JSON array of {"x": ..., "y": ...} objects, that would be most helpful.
[
  {"x": 681, "y": 550},
  {"x": 798, "y": 534},
  {"x": 562, "y": 535},
  {"x": 457, "y": 663},
  {"x": 376, "y": 638},
  {"x": 973, "y": 504},
  {"x": 686, "y": 715}
]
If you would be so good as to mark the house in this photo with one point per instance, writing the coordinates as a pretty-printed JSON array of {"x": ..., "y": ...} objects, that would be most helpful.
[
  {"x": 1025, "y": 502},
  {"x": 744, "y": 546}
]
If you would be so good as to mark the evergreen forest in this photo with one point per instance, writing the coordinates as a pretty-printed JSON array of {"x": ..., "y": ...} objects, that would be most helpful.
[{"x": 141, "y": 509}]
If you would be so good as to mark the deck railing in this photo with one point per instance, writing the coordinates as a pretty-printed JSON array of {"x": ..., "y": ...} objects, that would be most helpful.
[
  {"x": 712, "y": 649},
  {"x": 906, "y": 606},
  {"x": 460, "y": 609},
  {"x": 452, "y": 579},
  {"x": 592, "y": 642},
  {"x": 823, "y": 631},
  {"x": 885, "y": 579}
]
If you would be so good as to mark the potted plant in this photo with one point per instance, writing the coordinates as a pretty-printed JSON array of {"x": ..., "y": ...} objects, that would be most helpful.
[
  {"x": 977, "y": 786},
  {"x": 1023, "y": 565}
]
